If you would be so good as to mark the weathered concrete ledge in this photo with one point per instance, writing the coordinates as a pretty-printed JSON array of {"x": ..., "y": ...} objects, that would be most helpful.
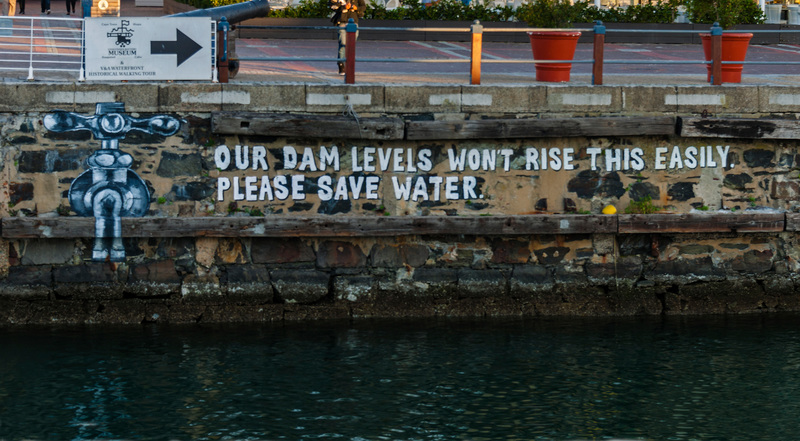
[{"x": 441, "y": 101}]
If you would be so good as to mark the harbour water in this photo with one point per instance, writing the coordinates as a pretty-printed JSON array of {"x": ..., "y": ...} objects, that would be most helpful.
[{"x": 696, "y": 378}]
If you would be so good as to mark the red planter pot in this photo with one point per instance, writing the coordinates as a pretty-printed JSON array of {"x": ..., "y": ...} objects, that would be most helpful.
[
  {"x": 734, "y": 48},
  {"x": 553, "y": 45}
]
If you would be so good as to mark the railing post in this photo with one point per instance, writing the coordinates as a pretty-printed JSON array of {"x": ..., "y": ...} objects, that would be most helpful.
[
  {"x": 82, "y": 73},
  {"x": 716, "y": 54},
  {"x": 350, "y": 52},
  {"x": 222, "y": 49},
  {"x": 30, "y": 53},
  {"x": 477, "y": 48},
  {"x": 599, "y": 46}
]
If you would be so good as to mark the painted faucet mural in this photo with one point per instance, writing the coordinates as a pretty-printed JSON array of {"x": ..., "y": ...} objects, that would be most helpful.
[{"x": 109, "y": 190}]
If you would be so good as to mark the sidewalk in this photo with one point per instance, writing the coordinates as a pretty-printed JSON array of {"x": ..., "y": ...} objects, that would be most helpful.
[
  {"x": 128, "y": 8},
  {"x": 456, "y": 72}
]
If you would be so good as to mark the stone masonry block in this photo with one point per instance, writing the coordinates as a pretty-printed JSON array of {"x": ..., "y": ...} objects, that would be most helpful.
[
  {"x": 398, "y": 256},
  {"x": 436, "y": 282},
  {"x": 386, "y": 256},
  {"x": 753, "y": 262},
  {"x": 603, "y": 243},
  {"x": 274, "y": 250},
  {"x": 91, "y": 281},
  {"x": 415, "y": 255},
  {"x": 481, "y": 283},
  {"x": 47, "y": 252},
  {"x": 684, "y": 271},
  {"x": 159, "y": 278},
  {"x": 570, "y": 278},
  {"x": 339, "y": 254},
  {"x": 626, "y": 268},
  {"x": 526, "y": 279},
  {"x": 354, "y": 288},
  {"x": 202, "y": 290},
  {"x": 27, "y": 282},
  {"x": 300, "y": 286},
  {"x": 510, "y": 251},
  {"x": 247, "y": 284}
]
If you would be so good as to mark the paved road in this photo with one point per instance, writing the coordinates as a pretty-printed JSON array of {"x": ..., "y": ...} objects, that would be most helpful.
[{"x": 492, "y": 73}]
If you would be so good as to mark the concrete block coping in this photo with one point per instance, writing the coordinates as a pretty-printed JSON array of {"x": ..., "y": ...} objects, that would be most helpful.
[{"x": 741, "y": 100}]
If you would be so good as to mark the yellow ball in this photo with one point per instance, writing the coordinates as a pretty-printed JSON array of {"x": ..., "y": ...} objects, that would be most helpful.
[{"x": 610, "y": 209}]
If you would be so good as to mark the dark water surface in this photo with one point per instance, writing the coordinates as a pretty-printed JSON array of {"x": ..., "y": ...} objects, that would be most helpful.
[{"x": 735, "y": 378}]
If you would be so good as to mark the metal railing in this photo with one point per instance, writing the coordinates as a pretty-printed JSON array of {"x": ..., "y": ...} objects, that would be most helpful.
[
  {"x": 42, "y": 44},
  {"x": 33, "y": 44},
  {"x": 477, "y": 30}
]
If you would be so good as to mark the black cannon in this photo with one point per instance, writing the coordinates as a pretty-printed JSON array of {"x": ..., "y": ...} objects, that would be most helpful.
[{"x": 233, "y": 13}]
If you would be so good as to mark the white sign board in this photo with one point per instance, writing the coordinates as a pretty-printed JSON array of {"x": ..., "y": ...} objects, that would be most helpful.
[{"x": 148, "y": 48}]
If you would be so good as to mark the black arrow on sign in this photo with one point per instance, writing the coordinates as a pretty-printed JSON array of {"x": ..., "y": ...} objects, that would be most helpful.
[{"x": 183, "y": 46}]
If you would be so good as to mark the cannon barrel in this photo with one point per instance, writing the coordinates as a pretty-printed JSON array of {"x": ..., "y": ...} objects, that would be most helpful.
[{"x": 232, "y": 13}]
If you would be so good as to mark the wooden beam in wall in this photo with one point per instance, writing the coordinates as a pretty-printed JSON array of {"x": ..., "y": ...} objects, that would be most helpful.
[
  {"x": 701, "y": 223},
  {"x": 540, "y": 128},
  {"x": 306, "y": 126},
  {"x": 792, "y": 221},
  {"x": 739, "y": 128},
  {"x": 327, "y": 226},
  {"x": 390, "y": 128}
]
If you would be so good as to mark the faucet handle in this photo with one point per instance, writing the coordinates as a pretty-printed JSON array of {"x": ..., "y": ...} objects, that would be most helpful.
[
  {"x": 110, "y": 125},
  {"x": 163, "y": 125},
  {"x": 63, "y": 121}
]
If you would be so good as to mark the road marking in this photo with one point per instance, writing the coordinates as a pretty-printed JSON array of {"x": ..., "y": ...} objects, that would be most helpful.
[
  {"x": 442, "y": 50},
  {"x": 794, "y": 50}
]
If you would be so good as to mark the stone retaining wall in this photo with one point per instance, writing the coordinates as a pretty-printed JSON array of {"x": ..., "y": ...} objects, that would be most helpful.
[
  {"x": 279, "y": 259},
  {"x": 231, "y": 280}
]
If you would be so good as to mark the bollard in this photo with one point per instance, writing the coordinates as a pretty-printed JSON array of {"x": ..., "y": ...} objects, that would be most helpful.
[
  {"x": 599, "y": 46},
  {"x": 350, "y": 52},
  {"x": 222, "y": 49},
  {"x": 716, "y": 54},
  {"x": 477, "y": 47}
]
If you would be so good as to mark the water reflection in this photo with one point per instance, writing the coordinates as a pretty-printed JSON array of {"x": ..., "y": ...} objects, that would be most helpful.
[{"x": 672, "y": 379}]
